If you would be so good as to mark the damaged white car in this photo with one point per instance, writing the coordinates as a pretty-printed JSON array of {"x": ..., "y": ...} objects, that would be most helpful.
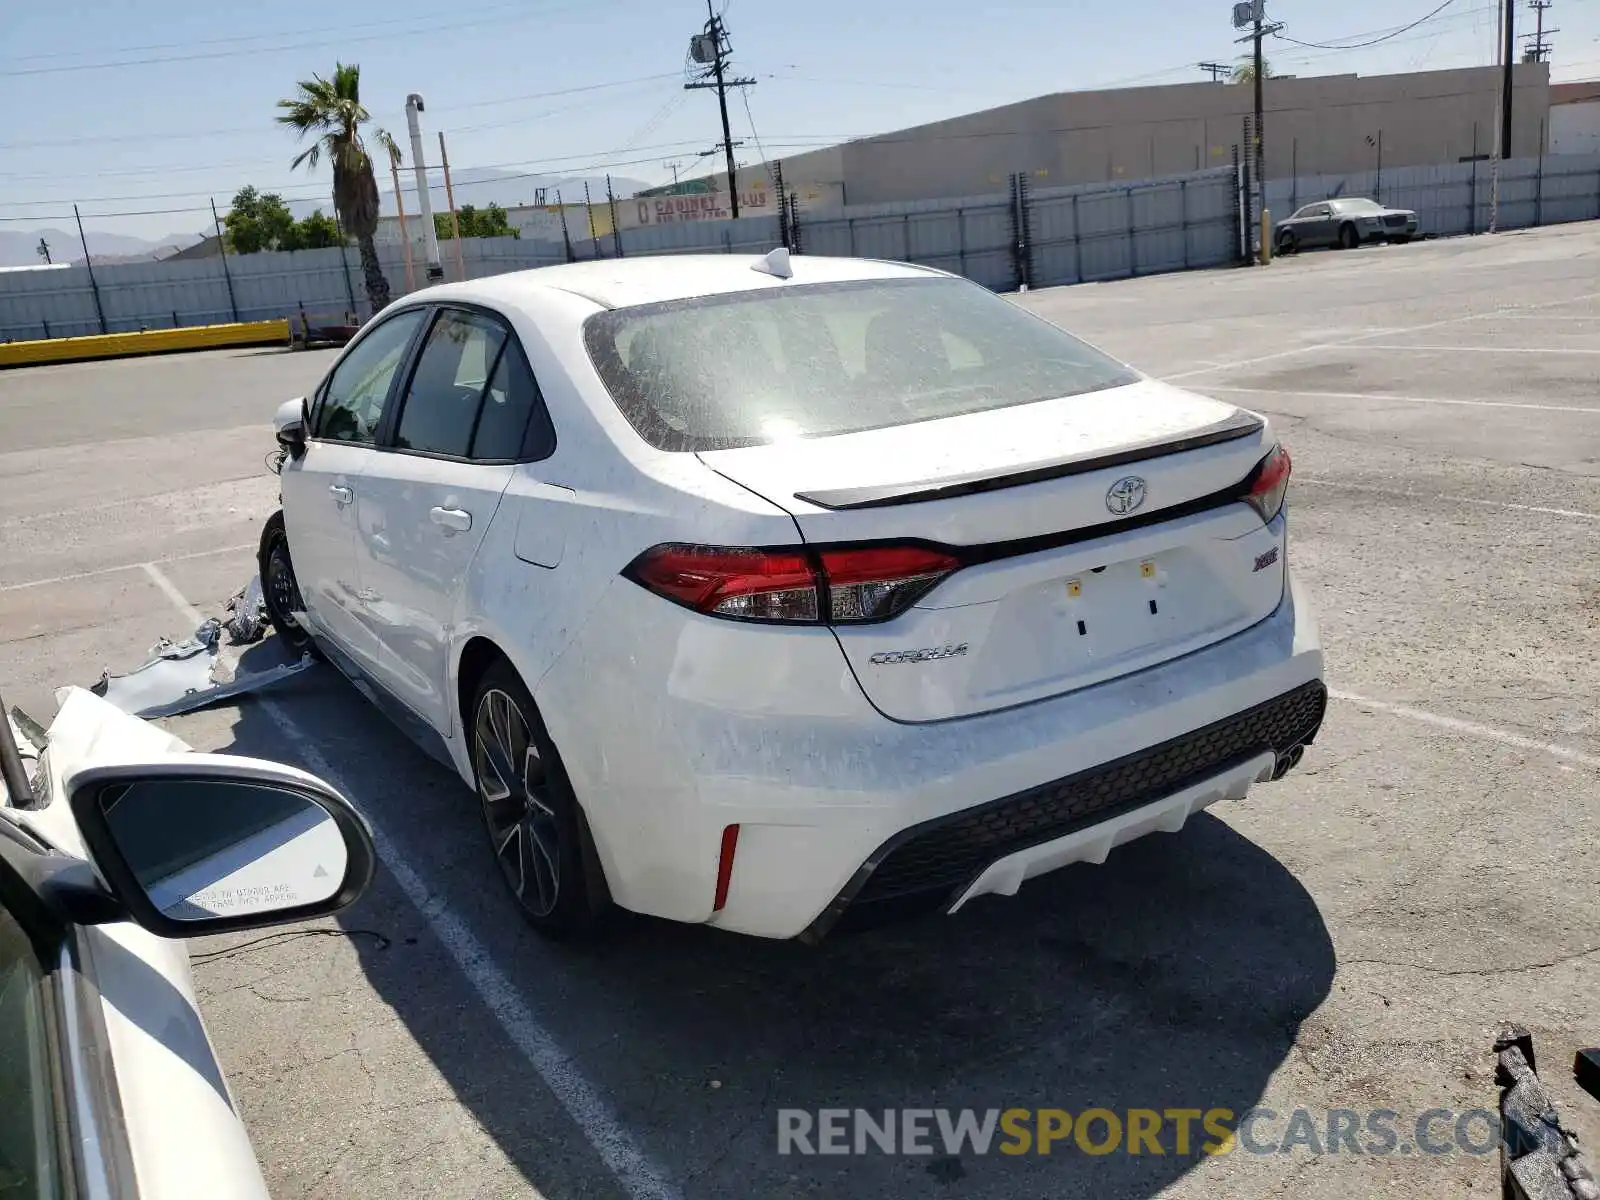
[
  {"x": 781, "y": 594},
  {"x": 116, "y": 841}
]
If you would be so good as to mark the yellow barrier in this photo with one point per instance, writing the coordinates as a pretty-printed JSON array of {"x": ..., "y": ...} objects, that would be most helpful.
[{"x": 151, "y": 341}]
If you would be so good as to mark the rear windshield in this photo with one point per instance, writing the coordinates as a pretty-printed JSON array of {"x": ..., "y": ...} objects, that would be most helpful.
[{"x": 813, "y": 360}]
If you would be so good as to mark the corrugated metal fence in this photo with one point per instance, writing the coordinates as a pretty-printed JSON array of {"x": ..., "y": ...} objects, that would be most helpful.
[
  {"x": 1041, "y": 238},
  {"x": 251, "y": 287},
  {"x": 1046, "y": 237}
]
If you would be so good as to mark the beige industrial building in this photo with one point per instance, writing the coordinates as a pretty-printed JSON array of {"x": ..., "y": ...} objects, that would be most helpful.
[{"x": 1314, "y": 126}]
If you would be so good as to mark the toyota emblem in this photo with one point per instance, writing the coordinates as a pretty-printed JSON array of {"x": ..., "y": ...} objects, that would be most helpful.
[{"x": 1125, "y": 495}]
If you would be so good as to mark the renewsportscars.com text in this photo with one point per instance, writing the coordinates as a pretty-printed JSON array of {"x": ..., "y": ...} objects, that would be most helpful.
[{"x": 1179, "y": 1132}]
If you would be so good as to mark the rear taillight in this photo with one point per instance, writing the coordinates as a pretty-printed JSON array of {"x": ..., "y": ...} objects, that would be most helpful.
[
  {"x": 1269, "y": 482},
  {"x": 853, "y": 586}
]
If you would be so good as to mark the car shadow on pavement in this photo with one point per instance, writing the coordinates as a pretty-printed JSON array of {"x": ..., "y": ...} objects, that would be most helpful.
[{"x": 1175, "y": 976}]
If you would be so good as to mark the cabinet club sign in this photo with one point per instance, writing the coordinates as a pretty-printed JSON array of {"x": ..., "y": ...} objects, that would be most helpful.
[{"x": 705, "y": 206}]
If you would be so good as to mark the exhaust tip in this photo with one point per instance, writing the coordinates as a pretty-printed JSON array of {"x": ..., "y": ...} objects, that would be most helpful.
[{"x": 1288, "y": 761}]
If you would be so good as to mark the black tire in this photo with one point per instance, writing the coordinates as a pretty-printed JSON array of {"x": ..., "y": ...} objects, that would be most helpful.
[
  {"x": 1401, "y": 239},
  {"x": 536, "y": 829},
  {"x": 280, "y": 589},
  {"x": 1288, "y": 243},
  {"x": 1349, "y": 239}
]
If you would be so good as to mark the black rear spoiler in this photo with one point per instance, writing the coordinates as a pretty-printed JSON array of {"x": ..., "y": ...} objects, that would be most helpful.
[{"x": 1240, "y": 425}]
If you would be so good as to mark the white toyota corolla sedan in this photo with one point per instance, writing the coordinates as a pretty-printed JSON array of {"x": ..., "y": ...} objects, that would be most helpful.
[{"x": 788, "y": 594}]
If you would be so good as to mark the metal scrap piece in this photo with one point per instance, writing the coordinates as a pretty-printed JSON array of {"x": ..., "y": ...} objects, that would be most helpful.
[
  {"x": 247, "y": 614},
  {"x": 1539, "y": 1157}
]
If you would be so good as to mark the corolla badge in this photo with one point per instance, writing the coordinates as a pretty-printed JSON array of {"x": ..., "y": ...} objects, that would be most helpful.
[
  {"x": 1125, "y": 495},
  {"x": 928, "y": 654}
]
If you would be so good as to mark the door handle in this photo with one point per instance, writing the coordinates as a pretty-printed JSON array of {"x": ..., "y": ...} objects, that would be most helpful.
[
  {"x": 454, "y": 519},
  {"x": 341, "y": 494}
]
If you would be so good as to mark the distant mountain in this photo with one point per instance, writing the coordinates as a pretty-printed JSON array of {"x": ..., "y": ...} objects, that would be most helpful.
[
  {"x": 478, "y": 186},
  {"x": 483, "y": 186},
  {"x": 19, "y": 247}
]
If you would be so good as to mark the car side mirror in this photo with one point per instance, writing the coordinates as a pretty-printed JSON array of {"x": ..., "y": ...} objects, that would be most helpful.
[
  {"x": 289, "y": 424},
  {"x": 207, "y": 843}
]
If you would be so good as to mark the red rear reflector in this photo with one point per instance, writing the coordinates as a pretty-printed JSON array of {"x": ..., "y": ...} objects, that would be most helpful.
[
  {"x": 1271, "y": 484},
  {"x": 730, "y": 843}
]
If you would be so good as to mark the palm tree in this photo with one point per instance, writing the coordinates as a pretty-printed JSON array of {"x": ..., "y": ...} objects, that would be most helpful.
[
  {"x": 1245, "y": 72},
  {"x": 331, "y": 111}
]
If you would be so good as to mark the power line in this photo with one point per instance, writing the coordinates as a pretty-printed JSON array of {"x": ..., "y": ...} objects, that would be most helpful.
[
  {"x": 744, "y": 95},
  {"x": 475, "y": 22},
  {"x": 267, "y": 127},
  {"x": 240, "y": 37},
  {"x": 1375, "y": 41},
  {"x": 546, "y": 167}
]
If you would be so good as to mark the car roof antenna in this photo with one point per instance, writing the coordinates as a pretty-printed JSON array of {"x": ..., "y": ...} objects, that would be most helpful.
[{"x": 776, "y": 263}]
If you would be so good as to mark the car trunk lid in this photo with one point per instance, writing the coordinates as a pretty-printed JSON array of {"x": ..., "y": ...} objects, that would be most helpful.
[{"x": 1098, "y": 535}]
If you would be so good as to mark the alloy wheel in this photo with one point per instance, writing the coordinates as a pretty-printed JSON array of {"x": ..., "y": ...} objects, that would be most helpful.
[
  {"x": 281, "y": 586},
  {"x": 513, "y": 786}
]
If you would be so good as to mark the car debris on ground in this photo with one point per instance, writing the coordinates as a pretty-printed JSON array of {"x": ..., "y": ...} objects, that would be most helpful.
[
  {"x": 184, "y": 676},
  {"x": 1539, "y": 1156}
]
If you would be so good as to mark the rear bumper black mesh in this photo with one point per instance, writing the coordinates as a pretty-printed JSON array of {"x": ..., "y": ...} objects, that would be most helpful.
[{"x": 927, "y": 866}]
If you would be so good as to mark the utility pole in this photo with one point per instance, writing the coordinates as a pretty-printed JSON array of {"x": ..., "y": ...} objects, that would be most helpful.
[
  {"x": 1508, "y": 63},
  {"x": 1218, "y": 71},
  {"x": 1252, "y": 15},
  {"x": 674, "y": 167},
  {"x": 1538, "y": 50},
  {"x": 430, "y": 236},
  {"x": 712, "y": 50},
  {"x": 43, "y": 250}
]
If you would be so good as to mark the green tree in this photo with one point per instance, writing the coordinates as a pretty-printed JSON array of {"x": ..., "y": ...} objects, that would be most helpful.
[
  {"x": 318, "y": 231},
  {"x": 258, "y": 221},
  {"x": 489, "y": 222},
  {"x": 330, "y": 110}
]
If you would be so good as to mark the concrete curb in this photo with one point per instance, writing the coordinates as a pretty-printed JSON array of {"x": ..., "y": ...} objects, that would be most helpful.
[{"x": 153, "y": 341}]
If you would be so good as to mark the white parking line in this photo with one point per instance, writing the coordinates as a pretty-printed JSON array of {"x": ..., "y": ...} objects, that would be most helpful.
[
  {"x": 1361, "y": 339},
  {"x": 1403, "y": 494},
  {"x": 1479, "y": 349},
  {"x": 640, "y": 1178},
  {"x": 1389, "y": 397},
  {"x": 1456, "y": 725},
  {"x": 33, "y": 583}
]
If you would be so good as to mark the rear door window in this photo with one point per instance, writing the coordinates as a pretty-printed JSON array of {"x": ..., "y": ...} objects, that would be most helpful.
[
  {"x": 513, "y": 423},
  {"x": 440, "y": 412}
]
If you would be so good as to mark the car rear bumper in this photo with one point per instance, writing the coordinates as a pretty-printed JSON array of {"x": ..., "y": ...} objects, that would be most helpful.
[{"x": 846, "y": 816}]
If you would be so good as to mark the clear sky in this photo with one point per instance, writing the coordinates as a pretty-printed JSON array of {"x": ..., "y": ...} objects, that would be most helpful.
[{"x": 156, "y": 105}]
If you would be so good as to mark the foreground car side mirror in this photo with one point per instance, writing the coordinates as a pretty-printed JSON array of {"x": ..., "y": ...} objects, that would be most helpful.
[
  {"x": 289, "y": 426},
  {"x": 206, "y": 843}
]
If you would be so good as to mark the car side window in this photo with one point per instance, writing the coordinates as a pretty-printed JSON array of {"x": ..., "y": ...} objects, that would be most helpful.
[
  {"x": 443, "y": 400},
  {"x": 514, "y": 423},
  {"x": 28, "y": 1151},
  {"x": 352, "y": 402}
]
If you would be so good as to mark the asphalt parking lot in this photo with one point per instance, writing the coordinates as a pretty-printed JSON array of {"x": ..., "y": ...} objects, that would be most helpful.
[{"x": 1348, "y": 938}]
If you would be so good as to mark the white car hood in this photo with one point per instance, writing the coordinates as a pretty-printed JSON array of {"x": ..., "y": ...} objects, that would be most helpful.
[
  {"x": 185, "y": 1136},
  {"x": 89, "y": 732}
]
